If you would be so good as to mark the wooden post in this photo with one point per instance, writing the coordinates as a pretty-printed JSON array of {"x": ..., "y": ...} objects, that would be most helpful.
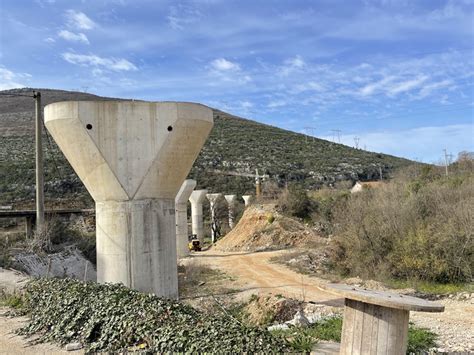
[
  {"x": 39, "y": 165},
  {"x": 28, "y": 227}
]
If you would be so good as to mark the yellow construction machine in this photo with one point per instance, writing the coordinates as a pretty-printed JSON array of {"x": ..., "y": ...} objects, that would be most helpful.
[{"x": 194, "y": 243}]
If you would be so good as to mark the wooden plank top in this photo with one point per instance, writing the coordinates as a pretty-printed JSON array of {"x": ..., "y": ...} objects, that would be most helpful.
[{"x": 384, "y": 299}]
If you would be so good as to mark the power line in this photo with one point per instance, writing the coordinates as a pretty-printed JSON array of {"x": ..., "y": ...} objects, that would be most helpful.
[
  {"x": 356, "y": 141},
  {"x": 309, "y": 130},
  {"x": 336, "y": 132},
  {"x": 447, "y": 160}
]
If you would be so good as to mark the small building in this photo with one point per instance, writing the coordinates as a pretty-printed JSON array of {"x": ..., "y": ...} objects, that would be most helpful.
[{"x": 361, "y": 185}]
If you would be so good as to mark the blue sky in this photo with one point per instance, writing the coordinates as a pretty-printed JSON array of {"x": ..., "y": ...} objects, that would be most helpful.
[{"x": 397, "y": 74}]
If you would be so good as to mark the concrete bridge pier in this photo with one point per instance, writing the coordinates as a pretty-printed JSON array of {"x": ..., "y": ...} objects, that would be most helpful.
[
  {"x": 132, "y": 157},
  {"x": 231, "y": 205},
  {"x": 247, "y": 199},
  {"x": 197, "y": 198},
  {"x": 181, "y": 210},
  {"x": 213, "y": 198}
]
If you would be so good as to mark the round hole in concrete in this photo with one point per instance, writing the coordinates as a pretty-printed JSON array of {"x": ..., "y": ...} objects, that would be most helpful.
[
  {"x": 170, "y": 128},
  {"x": 88, "y": 126}
]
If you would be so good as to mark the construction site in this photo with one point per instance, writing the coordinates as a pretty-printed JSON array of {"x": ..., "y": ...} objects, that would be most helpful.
[{"x": 161, "y": 262}]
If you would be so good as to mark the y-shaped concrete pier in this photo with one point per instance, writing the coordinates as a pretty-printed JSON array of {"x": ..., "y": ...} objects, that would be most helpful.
[
  {"x": 231, "y": 205},
  {"x": 247, "y": 199},
  {"x": 213, "y": 198},
  {"x": 197, "y": 198},
  {"x": 181, "y": 209},
  {"x": 132, "y": 157}
]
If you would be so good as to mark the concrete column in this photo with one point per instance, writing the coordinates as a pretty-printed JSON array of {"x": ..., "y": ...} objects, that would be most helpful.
[
  {"x": 197, "y": 198},
  {"x": 247, "y": 199},
  {"x": 132, "y": 157},
  {"x": 134, "y": 246},
  {"x": 231, "y": 204},
  {"x": 181, "y": 209},
  {"x": 213, "y": 198}
]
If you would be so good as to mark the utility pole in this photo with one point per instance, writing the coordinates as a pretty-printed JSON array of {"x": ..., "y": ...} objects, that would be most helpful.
[
  {"x": 39, "y": 164},
  {"x": 258, "y": 187},
  {"x": 380, "y": 173},
  {"x": 336, "y": 132},
  {"x": 447, "y": 158},
  {"x": 309, "y": 131},
  {"x": 356, "y": 141}
]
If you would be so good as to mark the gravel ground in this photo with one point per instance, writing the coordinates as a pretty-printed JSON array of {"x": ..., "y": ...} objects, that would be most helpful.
[{"x": 455, "y": 326}]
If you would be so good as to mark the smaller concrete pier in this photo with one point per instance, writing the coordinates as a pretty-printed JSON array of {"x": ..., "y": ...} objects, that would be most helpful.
[
  {"x": 231, "y": 205},
  {"x": 181, "y": 213},
  {"x": 247, "y": 199},
  {"x": 197, "y": 198},
  {"x": 213, "y": 198}
]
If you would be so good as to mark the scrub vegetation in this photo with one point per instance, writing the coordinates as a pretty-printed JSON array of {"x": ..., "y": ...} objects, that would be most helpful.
[
  {"x": 409, "y": 229},
  {"x": 416, "y": 228}
]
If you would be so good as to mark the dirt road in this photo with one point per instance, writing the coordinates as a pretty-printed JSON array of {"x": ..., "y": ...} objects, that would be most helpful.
[{"x": 254, "y": 273}]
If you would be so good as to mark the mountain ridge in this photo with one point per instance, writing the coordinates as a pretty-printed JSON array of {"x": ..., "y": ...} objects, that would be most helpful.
[{"x": 235, "y": 144}]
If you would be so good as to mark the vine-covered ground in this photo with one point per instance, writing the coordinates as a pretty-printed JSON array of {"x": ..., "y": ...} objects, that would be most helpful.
[{"x": 115, "y": 318}]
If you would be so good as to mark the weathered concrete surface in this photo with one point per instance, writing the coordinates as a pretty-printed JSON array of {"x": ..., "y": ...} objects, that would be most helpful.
[
  {"x": 181, "y": 210},
  {"x": 197, "y": 198},
  {"x": 213, "y": 198},
  {"x": 231, "y": 205},
  {"x": 132, "y": 157},
  {"x": 247, "y": 199}
]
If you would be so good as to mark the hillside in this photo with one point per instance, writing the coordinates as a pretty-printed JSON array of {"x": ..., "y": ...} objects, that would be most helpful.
[{"x": 235, "y": 144}]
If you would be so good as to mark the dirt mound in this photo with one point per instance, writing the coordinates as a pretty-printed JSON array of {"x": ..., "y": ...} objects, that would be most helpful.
[
  {"x": 269, "y": 309},
  {"x": 263, "y": 228}
]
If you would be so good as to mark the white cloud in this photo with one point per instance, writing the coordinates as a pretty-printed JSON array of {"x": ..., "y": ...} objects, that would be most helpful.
[
  {"x": 246, "y": 105},
  {"x": 79, "y": 20},
  {"x": 73, "y": 37},
  {"x": 291, "y": 65},
  {"x": 228, "y": 72},
  {"x": 309, "y": 86},
  {"x": 222, "y": 64},
  {"x": 11, "y": 80},
  {"x": 277, "y": 103},
  {"x": 182, "y": 16},
  {"x": 92, "y": 60},
  {"x": 407, "y": 85},
  {"x": 296, "y": 62},
  {"x": 49, "y": 40},
  {"x": 371, "y": 88},
  {"x": 428, "y": 89}
]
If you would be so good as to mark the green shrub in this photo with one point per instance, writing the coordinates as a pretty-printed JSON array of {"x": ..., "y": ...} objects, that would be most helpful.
[
  {"x": 13, "y": 300},
  {"x": 270, "y": 218},
  {"x": 420, "y": 340},
  {"x": 296, "y": 202},
  {"x": 114, "y": 318},
  {"x": 330, "y": 329}
]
